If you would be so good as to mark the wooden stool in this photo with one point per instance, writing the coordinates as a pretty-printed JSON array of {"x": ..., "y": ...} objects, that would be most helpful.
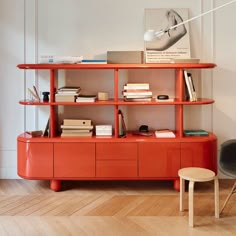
[{"x": 195, "y": 174}]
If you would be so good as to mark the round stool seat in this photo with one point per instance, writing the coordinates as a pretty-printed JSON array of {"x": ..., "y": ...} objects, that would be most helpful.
[{"x": 196, "y": 174}]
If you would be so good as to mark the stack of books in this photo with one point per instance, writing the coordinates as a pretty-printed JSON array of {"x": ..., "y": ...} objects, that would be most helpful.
[
  {"x": 86, "y": 98},
  {"x": 76, "y": 128},
  {"x": 137, "y": 92},
  {"x": 190, "y": 92},
  {"x": 67, "y": 94}
]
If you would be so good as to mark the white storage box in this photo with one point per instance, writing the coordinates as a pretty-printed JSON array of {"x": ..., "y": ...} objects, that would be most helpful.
[{"x": 103, "y": 130}]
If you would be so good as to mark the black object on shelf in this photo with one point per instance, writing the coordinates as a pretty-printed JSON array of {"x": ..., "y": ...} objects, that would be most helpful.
[{"x": 45, "y": 96}]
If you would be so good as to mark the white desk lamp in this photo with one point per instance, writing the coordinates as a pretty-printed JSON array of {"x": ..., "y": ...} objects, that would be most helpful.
[{"x": 151, "y": 35}]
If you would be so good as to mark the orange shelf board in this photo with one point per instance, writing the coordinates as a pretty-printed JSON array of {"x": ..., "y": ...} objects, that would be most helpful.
[
  {"x": 130, "y": 138},
  {"x": 201, "y": 101},
  {"x": 116, "y": 66}
]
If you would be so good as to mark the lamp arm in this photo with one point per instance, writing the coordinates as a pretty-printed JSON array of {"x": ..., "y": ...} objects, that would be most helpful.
[{"x": 198, "y": 16}]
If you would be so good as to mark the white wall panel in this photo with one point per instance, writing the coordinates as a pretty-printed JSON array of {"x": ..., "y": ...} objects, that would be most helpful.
[{"x": 11, "y": 82}]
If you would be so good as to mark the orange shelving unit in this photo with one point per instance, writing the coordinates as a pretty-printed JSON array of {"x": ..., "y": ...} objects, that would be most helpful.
[{"x": 132, "y": 158}]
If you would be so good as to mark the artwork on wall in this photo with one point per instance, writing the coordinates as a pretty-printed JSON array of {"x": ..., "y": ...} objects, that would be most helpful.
[{"x": 164, "y": 41}]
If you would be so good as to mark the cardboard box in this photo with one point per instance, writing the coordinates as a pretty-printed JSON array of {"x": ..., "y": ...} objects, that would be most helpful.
[{"x": 126, "y": 57}]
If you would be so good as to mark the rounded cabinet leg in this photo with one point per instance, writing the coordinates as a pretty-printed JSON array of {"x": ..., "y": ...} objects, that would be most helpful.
[
  {"x": 177, "y": 184},
  {"x": 55, "y": 185}
]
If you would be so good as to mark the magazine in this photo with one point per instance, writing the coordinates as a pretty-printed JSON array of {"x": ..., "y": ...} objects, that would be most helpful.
[{"x": 166, "y": 44}]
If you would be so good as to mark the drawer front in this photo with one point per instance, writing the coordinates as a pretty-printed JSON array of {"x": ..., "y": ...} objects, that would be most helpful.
[
  {"x": 116, "y": 160},
  {"x": 116, "y": 169},
  {"x": 74, "y": 160},
  {"x": 116, "y": 151}
]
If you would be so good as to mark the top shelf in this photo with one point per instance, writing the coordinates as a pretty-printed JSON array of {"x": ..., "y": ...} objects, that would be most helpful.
[{"x": 115, "y": 66}]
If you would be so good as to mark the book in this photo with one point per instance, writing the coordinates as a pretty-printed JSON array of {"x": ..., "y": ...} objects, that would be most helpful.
[
  {"x": 172, "y": 43},
  {"x": 189, "y": 86},
  {"x": 93, "y": 61},
  {"x": 148, "y": 99},
  {"x": 136, "y": 86},
  {"x": 46, "y": 132},
  {"x": 195, "y": 132},
  {"x": 47, "y": 59},
  {"x": 77, "y": 127},
  {"x": 64, "y": 98},
  {"x": 185, "y": 60},
  {"x": 68, "y": 131},
  {"x": 76, "y": 122},
  {"x": 86, "y": 98},
  {"x": 35, "y": 133},
  {"x": 192, "y": 87},
  {"x": 69, "y": 88},
  {"x": 138, "y": 96},
  {"x": 137, "y": 93},
  {"x": 81, "y": 134},
  {"x": 122, "y": 126},
  {"x": 164, "y": 133}
]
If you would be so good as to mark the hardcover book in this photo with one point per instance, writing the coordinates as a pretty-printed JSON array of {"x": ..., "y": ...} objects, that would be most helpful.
[
  {"x": 196, "y": 132},
  {"x": 164, "y": 133}
]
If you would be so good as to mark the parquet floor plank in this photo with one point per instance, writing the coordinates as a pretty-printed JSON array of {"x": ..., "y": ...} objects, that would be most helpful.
[{"x": 110, "y": 208}]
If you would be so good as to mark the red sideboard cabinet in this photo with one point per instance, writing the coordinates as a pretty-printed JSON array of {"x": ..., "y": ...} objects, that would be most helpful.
[{"x": 132, "y": 158}]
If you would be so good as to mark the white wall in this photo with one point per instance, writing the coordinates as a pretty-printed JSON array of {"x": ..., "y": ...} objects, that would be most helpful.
[{"x": 30, "y": 28}]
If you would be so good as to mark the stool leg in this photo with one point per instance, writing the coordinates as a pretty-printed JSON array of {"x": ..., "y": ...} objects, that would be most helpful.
[
  {"x": 182, "y": 190},
  {"x": 216, "y": 184},
  {"x": 190, "y": 203}
]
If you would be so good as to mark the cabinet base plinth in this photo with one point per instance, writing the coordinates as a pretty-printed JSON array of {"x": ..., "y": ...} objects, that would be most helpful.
[{"x": 55, "y": 185}]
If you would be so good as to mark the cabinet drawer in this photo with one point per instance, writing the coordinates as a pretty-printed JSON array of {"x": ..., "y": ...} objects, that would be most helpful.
[
  {"x": 116, "y": 168},
  {"x": 159, "y": 159},
  {"x": 35, "y": 160},
  {"x": 116, "y": 160},
  {"x": 116, "y": 151},
  {"x": 74, "y": 160}
]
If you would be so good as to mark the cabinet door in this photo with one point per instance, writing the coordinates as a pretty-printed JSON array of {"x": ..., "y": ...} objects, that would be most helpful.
[
  {"x": 74, "y": 160},
  {"x": 35, "y": 160},
  {"x": 199, "y": 154},
  {"x": 116, "y": 160},
  {"x": 159, "y": 159}
]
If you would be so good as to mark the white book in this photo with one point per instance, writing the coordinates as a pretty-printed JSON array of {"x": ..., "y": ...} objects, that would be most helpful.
[
  {"x": 164, "y": 133},
  {"x": 137, "y": 93},
  {"x": 77, "y": 127},
  {"x": 192, "y": 87},
  {"x": 130, "y": 86},
  {"x": 190, "y": 91}
]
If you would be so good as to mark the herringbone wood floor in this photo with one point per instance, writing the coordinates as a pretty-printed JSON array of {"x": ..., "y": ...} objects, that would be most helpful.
[{"x": 110, "y": 208}]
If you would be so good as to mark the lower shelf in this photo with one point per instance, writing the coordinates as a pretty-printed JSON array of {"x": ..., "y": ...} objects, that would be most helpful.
[{"x": 58, "y": 159}]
